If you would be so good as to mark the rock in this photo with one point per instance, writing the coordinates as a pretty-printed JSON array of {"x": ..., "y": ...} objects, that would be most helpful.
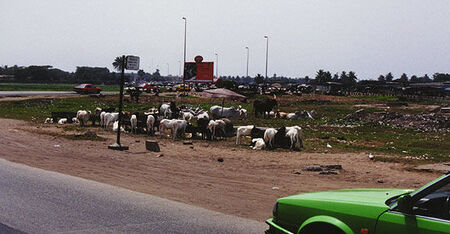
[
  {"x": 332, "y": 167},
  {"x": 220, "y": 159},
  {"x": 328, "y": 173},
  {"x": 313, "y": 168},
  {"x": 152, "y": 146}
]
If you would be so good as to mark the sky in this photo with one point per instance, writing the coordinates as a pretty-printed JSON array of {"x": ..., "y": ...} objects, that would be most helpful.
[{"x": 367, "y": 37}]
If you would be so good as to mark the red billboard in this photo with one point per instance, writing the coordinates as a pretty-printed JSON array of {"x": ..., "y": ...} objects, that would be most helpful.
[{"x": 199, "y": 72}]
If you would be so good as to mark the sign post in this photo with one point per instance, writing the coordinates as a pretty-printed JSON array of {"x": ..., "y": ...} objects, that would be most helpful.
[{"x": 129, "y": 63}]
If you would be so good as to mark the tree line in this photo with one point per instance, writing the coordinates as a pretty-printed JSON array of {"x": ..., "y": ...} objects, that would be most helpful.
[
  {"x": 102, "y": 75},
  {"x": 84, "y": 74}
]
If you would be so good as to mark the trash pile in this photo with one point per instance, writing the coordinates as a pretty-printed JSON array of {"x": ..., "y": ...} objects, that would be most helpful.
[{"x": 422, "y": 122}]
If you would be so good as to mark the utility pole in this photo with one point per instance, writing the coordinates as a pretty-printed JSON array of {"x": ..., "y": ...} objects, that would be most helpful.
[
  {"x": 217, "y": 65},
  {"x": 184, "y": 57},
  {"x": 248, "y": 54}
]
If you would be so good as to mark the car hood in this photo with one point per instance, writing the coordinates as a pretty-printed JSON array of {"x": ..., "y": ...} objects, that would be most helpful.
[{"x": 375, "y": 197}]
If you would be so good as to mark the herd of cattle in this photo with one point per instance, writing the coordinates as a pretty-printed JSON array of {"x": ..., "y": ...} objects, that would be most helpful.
[{"x": 197, "y": 123}]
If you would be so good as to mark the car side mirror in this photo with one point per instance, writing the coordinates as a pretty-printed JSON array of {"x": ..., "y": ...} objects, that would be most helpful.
[{"x": 405, "y": 204}]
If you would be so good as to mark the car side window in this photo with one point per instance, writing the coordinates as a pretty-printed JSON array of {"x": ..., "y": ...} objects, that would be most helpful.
[{"x": 435, "y": 204}]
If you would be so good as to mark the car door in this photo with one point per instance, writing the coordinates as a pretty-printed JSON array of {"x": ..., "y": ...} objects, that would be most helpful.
[
  {"x": 397, "y": 222},
  {"x": 430, "y": 214}
]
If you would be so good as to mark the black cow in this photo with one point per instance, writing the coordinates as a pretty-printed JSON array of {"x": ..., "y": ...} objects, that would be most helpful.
[
  {"x": 281, "y": 140},
  {"x": 257, "y": 132},
  {"x": 263, "y": 106},
  {"x": 202, "y": 127}
]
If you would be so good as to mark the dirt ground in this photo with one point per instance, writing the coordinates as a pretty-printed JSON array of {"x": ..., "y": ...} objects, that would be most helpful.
[{"x": 246, "y": 183}]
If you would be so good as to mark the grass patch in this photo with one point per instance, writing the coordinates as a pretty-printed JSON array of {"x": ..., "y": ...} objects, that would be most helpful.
[{"x": 327, "y": 127}]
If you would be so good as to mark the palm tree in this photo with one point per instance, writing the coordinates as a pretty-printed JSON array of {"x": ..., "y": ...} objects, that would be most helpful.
[{"x": 117, "y": 64}]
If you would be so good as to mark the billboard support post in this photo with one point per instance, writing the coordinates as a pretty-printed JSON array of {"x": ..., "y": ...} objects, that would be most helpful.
[{"x": 131, "y": 63}]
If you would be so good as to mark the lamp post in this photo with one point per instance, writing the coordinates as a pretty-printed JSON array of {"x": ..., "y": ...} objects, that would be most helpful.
[
  {"x": 184, "y": 57},
  {"x": 168, "y": 69},
  {"x": 217, "y": 65},
  {"x": 267, "y": 53},
  {"x": 248, "y": 54}
]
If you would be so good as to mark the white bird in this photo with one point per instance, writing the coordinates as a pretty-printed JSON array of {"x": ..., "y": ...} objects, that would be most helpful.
[
  {"x": 371, "y": 156},
  {"x": 329, "y": 146}
]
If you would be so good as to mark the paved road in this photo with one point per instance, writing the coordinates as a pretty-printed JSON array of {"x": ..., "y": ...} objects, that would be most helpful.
[
  {"x": 37, "y": 201},
  {"x": 36, "y": 93}
]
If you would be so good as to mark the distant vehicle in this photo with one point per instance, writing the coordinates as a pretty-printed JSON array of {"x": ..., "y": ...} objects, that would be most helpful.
[
  {"x": 149, "y": 88},
  {"x": 86, "y": 88},
  {"x": 182, "y": 87},
  {"x": 348, "y": 211}
]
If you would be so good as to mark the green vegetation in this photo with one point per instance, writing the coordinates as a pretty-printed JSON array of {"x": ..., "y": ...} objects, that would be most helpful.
[
  {"x": 399, "y": 144},
  {"x": 48, "y": 87}
]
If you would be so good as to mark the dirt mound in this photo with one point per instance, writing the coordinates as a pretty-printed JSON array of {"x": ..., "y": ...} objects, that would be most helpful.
[{"x": 423, "y": 122}]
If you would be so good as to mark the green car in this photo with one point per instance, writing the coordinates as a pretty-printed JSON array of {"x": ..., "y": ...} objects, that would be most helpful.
[{"x": 426, "y": 210}]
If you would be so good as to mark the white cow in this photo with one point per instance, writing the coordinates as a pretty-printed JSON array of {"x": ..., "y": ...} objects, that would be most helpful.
[
  {"x": 75, "y": 120},
  {"x": 203, "y": 115},
  {"x": 176, "y": 126},
  {"x": 188, "y": 116},
  {"x": 48, "y": 121},
  {"x": 295, "y": 134},
  {"x": 243, "y": 131},
  {"x": 231, "y": 113},
  {"x": 116, "y": 126},
  {"x": 110, "y": 118},
  {"x": 216, "y": 126},
  {"x": 102, "y": 118},
  {"x": 259, "y": 143},
  {"x": 269, "y": 136},
  {"x": 62, "y": 121},
  {"x": 133, "y": 123},
  {"x": 165, "y": 111},
  {"x": 150, "y": 122},
  {"x": 83, "y": 116}
]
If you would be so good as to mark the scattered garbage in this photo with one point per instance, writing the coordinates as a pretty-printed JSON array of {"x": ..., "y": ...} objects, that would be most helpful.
[
  {"x": 275, "y": 188},
  {"x": 422, "y": 122},
  {"x": 220, "y": 159},
  {"x": 371, "y": 157},
  {"x": 329, "y": 146},
  {"x": 56, "y": 146},
  {"x": 328, "y": 173},
  {"x": 324, "y": 169}
]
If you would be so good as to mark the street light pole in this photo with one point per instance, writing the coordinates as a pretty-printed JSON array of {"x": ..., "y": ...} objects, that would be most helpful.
[
  {"x": 184, "y": 57},
  {"x": 217, "y": 65},
  {"x": 267, "y": 53},
  {"x": 248, "y": 54},
  {"x": 168, "y": 69}
]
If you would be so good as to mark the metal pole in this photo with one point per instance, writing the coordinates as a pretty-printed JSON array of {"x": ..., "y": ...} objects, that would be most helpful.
[
  {"x": 267, "y": 54},
  {"x": 217, "y": 65},
  {"x": 122, "y": 80},
  {"x": 248, "y": 54},
  {"x": 184, "y": 57}
]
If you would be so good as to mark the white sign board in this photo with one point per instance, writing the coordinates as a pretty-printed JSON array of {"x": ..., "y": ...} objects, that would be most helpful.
[{"x": 132, "y": 63}]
